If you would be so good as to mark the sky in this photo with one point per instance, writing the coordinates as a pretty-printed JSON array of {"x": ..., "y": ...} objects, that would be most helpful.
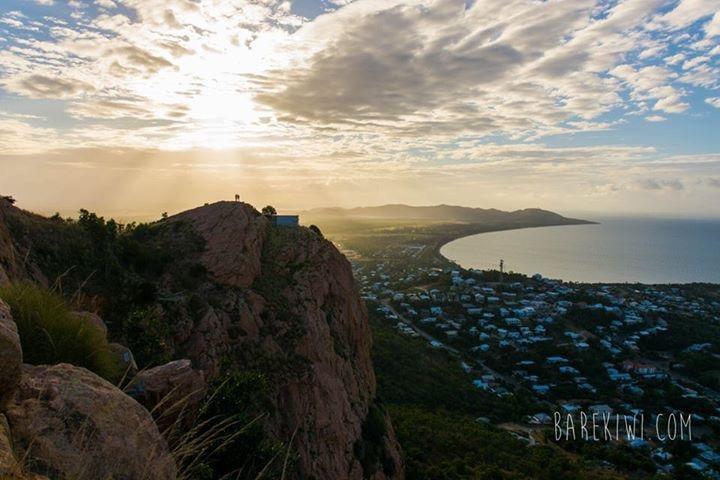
[{"x": 136, "y": 107}]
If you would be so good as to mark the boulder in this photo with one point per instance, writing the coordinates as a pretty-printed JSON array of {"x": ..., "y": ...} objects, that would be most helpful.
[
  {"x": 10, "y": 355},
  {"x": 169, "y": 391},
  {"x": 67, "y": 422},
  {"x": 234, "y": 233},
  {"x": 8, "y": 462},
  {"x": 94, "y": 320},
  {"x": 124, "y": 360}
]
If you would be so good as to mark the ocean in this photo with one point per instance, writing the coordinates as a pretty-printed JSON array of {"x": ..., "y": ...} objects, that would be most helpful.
[{"x": 618, "y": 250}]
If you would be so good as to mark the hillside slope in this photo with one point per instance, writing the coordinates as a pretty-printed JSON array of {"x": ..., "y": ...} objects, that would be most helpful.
[
  {"x": 446, "y": 213},
  {"x": 234, "y": 294}
]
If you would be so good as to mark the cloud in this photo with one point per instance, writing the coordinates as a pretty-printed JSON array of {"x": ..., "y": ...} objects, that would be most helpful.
[
  {"x": 714, "y": 101},
  {"x": 687, "y": 12},
  {"x": 436, "y": 92},
  {"x": 134, "y": 58},
  {"x": 42, "y": 86},
  {"x": 675, "y": 59},
  {"x": 654, "y": 184},
  {"x": 671, "y": 104}
]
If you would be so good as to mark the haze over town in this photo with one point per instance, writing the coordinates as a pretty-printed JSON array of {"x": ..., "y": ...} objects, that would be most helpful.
[{"x": 134, "y": 107}]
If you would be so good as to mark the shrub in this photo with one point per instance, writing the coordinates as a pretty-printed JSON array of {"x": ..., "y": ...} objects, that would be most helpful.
[
  {"x": 50, "y": 333},
  {"x": 250, "y": 451},
  {"x": 147, "y": 334},
  {"x": 269, "y": 210},
  {"x": 315, "y": 229}
]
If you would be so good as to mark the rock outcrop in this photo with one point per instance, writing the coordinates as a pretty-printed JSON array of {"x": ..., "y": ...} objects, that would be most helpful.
[
  {"x": 174, "y": 389},
  {"x": 9, "y": 465},
  {"x": 290, "y": 296},
  {"x": 263, "y": 298},
  {"x": 68, "y": 422},
  {"x": 10, "y": 355},
  {"x": 14, "y": 264},
  {"x": 94, "y": 320},
  {"x": 234, "y": 233}
]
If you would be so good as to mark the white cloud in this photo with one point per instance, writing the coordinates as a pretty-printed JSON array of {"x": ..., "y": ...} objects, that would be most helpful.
[
  {"x": 671, "y": 104},
  {"x": 675, "y": 59},
  {"x": 384, "y": 89},
  {"x": 688, "y": 12},
  {"x": 714, "y": 101}
]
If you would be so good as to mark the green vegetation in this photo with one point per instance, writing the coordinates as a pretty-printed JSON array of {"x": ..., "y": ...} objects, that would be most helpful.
[
  {"x": 370, "y": 447},
  {"x": 410, "y": 372},
  {"x": 269, "y": 210},
  {"x": 248, "y": 452},
  {"x": 120, "y": 270},
  {"x": 435, "y": 408},
  {"x": 449, "y": 446},
  {"x": 148, "y": 335},
  {"x": 50, "y": 333}
]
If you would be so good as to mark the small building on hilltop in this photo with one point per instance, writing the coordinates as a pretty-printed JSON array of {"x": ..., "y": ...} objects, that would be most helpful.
[{"x": 285, "y": 220}]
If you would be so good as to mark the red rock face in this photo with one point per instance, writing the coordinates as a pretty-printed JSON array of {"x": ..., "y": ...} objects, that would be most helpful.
[
  {"x": 234, "y": 233},
  {"x": 317, "y": 305},
  {"x": 10, "y": 355},
  {"x": 285, "y": 297},
  {"x": 74, "y": 424},
  {"x": 8, "y": 258}
]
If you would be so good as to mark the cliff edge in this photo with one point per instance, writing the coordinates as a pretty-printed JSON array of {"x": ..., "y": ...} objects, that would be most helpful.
[{"x": 248, "y": 295}]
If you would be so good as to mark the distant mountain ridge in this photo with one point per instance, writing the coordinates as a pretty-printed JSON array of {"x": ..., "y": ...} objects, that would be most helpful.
[{"x": 447, "y": 213}]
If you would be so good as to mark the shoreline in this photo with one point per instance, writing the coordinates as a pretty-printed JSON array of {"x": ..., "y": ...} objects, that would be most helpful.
[
  {"x": 451, "y": 238},
  {"x": 437, "y": 246}
]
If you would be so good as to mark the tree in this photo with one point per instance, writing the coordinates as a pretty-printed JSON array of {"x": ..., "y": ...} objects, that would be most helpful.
[
  {"x": 9, "y": 199},
  {"x": 269, "y": 210},
  {"x": 317, "y": 231}
]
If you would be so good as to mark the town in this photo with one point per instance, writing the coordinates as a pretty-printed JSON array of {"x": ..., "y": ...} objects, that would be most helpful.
[{"x": 613, "y": 351}]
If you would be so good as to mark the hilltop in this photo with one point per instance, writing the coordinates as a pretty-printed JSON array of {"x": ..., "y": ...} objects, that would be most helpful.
[
  {"x": 216, "y": 305},
  {"x": 447, "y": 213}
]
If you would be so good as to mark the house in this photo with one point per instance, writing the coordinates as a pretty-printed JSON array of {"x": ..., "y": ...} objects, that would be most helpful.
[
  {"x": 710, "y": 456},
  {"x": 285, "y": 220},
  {"x": 639, "y": 367},
  {"x": 697, "y": 465},
  {"x": 541, "y": 389},
  {"x": 540, "y": 419},
  {"x": 481, "y": 385},
  {"x": 601, "y": 409},
  {"x": 555, "y": 360}
]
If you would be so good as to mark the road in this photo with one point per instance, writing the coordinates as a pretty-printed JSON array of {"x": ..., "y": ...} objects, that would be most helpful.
[
  {"x": 508, "y": 379},
  {"x": 422, "y": 333}
]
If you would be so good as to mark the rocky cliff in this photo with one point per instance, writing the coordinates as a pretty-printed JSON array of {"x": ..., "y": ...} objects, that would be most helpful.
[
  {"x": 277, "y": 300},
  {"x": 290, "y": 303}
]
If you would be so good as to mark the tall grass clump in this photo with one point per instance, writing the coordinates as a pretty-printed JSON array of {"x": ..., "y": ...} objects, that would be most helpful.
[{"x": 50, "y": 333}]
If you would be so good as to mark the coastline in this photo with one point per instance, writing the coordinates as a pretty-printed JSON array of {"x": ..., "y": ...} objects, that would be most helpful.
[
  {"x": 591, "y": 267},
  {"x": 441, "y": 242}
]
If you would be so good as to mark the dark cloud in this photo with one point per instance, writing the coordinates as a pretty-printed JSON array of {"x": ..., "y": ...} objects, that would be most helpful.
[
  {"x": 136, "y": 58},
  {"x": 654, "y": 184},
  {"x": 382, "y": 69},
  {"x": 42, "y": 86}
]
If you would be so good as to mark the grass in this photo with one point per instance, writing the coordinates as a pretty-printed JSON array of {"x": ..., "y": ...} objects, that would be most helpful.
[{"x": 50, "y": 333}]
